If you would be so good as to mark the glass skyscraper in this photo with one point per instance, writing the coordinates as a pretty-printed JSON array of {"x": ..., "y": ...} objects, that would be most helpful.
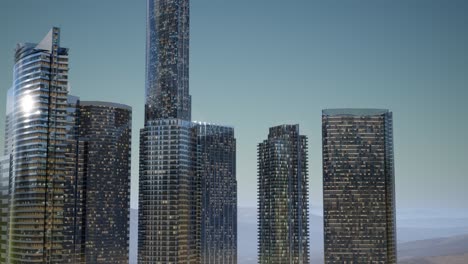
[
  {"x": 358, "y": 186},
  {"x": 100, "y": 188},
  {"x": 169, "y": 198},
  {"x": 38, "y": 124},
  {"x": 178, "y": 156},
  {"x": 4, "y": 200},
  {"x": 65, "y": 178},
  {"x": 283, "y": 233},
  {"x": 216, "y": 150},
  {"x": 167, "y": 60}
]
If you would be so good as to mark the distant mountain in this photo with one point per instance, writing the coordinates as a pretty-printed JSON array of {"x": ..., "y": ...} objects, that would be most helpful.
[
  {"x": 441, "y": 250},
  {"x": 459, "y": 259}
]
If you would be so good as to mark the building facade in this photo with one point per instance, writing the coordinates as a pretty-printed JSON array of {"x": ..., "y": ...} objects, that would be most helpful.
[
  {"x": 283, "y": 233},
  {"x": 104, "y": 144},
  {"x": 216, "y": 150},
  {"x": 65, "y": 178},
  {"x": 167, "y": 60},
  {"x": 177, "y": 156},
  {"x": 358, "y": 186},
  {"x": 74, "y": 196},
  {"x": 8, "y": 146},
  {"x": 38, "y": 125},
  {"x": 4, "y": 206},
  {"x": 169, "y": 197}
]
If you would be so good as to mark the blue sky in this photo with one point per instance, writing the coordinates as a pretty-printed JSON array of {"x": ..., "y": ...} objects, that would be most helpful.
[{"x": 260, "y": 63}]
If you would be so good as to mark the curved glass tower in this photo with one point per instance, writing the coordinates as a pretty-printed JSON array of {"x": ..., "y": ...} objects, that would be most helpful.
[
  {"x": 39, "y": 123},
  {"x": 105, "y": 142},
  {"x": 167, "y": 60}
]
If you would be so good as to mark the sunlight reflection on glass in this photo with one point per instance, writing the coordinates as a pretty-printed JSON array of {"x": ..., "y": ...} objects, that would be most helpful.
[{"x": 27, "y": 104}]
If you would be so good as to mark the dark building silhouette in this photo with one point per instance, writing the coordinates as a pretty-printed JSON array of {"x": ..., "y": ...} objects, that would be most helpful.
[
  {"x": 283, "y": 234},
  {"x": 358, "y": 186}
]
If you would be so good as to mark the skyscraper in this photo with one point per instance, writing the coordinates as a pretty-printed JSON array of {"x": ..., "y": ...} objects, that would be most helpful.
[
  {"x": 8, "y": 147},
  {"x": 175, "y": 159},
  {"x": 4, "y": 200},
  {"x": 358, "y": 186},
  {"x": 169, "y": 198},
  {"x": 216, "y": 150},
  {"x": 169, "y": 192},
  {"x": 38, "y": 125},
  {"x": 97, "y": 189},
  {"x": 104, "y": 135},
  {"x": 283, "y": 233},
  {"x": 65, "y": 177},
  {"x": 167, "y": 60}
]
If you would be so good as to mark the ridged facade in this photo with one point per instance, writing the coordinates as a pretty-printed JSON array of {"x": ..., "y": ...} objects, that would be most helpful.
[
  {"x": 358, "y": 186},
  {"x": 38, "y": 122},
  {"x": 216, "y": 150},
  {"x": 283, "y": 233}
]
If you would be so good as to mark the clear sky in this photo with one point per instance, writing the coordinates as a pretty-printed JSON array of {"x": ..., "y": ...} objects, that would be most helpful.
[{"x": 260, "y": 63}]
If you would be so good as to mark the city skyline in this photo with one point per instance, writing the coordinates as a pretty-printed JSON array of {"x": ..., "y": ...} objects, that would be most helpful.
[{"x": 439, "y": 148}]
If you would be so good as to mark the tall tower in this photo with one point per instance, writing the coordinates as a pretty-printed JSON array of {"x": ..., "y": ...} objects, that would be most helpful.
[
  {"x": 177, "y": 156},
  {"x": 38, "y": 125},
  {"x": 216, "y": 150},
  {"x": 283, "y": 233},
  {"x": 4, "y": 200},
  {"x": 358, "y": 186},
  {"x": 169, "y": 193},
  {"x": 167, "y": 60},
  {"x": 5, "y": 180},
  {"x": 97, "y": 191},
  {"x": 105, "y": 143}
]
